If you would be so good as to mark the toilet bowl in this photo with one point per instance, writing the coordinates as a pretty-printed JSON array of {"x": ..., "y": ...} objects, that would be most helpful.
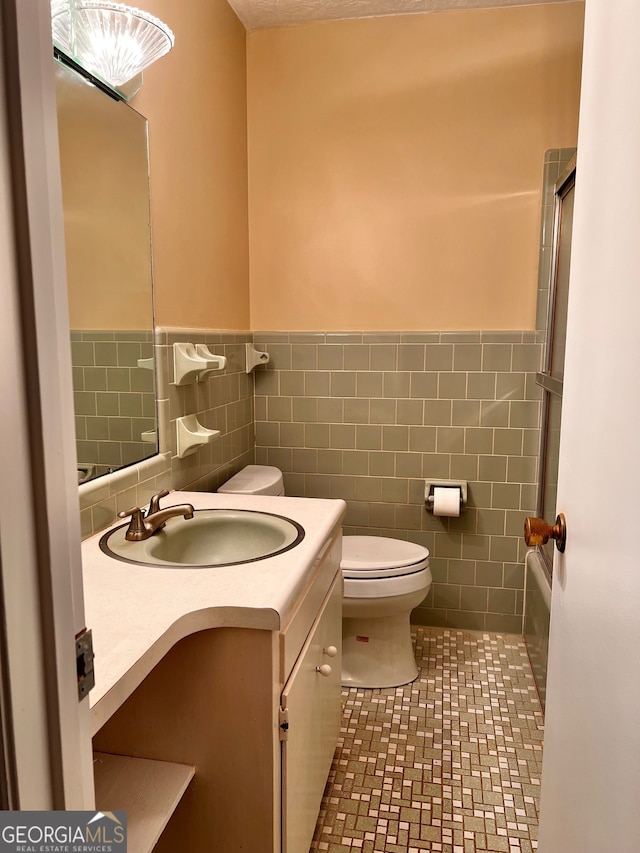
[{"x": 384, "y": 579}]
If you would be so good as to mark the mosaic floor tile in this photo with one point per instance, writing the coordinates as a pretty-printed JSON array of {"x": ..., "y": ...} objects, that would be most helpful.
[{"x": 450, "y": 763}]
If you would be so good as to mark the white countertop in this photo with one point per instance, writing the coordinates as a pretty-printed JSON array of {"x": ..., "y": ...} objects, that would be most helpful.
[{"x": 137, "y": 613}]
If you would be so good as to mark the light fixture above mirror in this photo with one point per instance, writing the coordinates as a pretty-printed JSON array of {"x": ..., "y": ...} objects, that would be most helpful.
[{"x": 110, "y": 40}]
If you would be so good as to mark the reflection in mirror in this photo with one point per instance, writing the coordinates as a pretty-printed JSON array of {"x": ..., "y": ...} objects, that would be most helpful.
[{"x": 105, "y": 189}]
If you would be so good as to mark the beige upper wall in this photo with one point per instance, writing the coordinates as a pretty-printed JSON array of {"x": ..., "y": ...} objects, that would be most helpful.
[
  {"x": 195, "y": 101},
  {"x": 395, "y": 166}
]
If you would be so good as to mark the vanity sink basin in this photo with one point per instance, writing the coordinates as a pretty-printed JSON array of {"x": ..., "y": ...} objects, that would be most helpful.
[{"x": 213, "y": 537}]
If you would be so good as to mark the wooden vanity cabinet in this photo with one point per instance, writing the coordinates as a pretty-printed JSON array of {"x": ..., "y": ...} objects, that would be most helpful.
[
  {"x": 310, "y": 714},
  {"x": 257, "y": 713}
]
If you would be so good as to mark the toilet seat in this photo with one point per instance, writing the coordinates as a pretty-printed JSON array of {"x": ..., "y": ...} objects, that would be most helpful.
[
  {"x": 370, "y": 557},
  {"x": 389, "y": 587}
]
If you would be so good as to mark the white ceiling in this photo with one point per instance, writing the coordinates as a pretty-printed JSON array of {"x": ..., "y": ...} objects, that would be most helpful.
[{"x": 257, "y": 14}]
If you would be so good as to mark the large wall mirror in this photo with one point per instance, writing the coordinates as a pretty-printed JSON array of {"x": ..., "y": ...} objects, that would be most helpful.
[{"x": 105, "y": 189}]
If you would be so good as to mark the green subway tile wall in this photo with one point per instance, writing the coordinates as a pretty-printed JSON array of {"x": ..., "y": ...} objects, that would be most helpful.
[
  {"x": 114, "y": 398},
  {"x": 368, "y": 416},
  {"x": 223, "y": 401}
]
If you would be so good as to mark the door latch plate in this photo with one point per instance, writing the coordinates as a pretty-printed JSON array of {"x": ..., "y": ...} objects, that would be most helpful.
[{"x": 84, "y": 664}]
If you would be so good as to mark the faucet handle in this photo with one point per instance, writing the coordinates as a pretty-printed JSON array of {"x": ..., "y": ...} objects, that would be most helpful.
[
  {"x": 154, "y": 503},
  {"x": 136, "y": 529}
]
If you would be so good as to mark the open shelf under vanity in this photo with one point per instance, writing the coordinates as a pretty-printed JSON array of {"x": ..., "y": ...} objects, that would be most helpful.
[{"x": 148, "y": 790}]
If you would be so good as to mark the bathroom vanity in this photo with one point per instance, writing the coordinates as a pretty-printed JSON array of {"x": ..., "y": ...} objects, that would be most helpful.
[{"x": 232, "y": 670}]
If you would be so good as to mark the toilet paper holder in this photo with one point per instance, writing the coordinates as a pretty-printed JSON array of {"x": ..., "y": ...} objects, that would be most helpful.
[{"x": 430, "y": 485}]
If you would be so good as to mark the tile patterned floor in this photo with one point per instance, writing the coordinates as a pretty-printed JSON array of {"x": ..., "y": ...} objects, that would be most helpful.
[{"x": 450, "y": 763}]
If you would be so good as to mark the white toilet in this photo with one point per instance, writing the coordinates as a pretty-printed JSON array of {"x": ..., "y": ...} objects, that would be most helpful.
[{"x": 384, "y": 579}]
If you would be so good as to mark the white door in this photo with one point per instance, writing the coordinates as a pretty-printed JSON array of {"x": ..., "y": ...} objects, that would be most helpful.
[
  {"x": 46, "y": 747},
  {"x": 591, "y": 766}
]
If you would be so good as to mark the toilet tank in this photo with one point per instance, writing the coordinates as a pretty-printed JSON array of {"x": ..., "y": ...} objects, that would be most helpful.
[{"x": 255, "y": 480}]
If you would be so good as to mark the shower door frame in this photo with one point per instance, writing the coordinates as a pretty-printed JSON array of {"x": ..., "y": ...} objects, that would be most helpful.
[
  {"x": 539, "y": 562},
  {"x": 549, "y": 384}
]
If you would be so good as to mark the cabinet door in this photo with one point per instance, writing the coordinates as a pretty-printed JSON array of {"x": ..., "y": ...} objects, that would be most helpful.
[{"x": 312, "y": 700}]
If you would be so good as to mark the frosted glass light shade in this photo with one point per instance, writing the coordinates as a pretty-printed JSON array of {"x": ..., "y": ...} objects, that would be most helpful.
[{"x": 113, "y": 41}]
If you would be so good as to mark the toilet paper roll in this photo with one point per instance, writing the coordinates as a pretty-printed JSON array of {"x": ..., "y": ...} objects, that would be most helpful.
[{"x": 446, "y": 502}]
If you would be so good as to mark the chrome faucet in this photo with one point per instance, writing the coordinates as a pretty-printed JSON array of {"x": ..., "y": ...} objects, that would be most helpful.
[{"x": 142, "y": 527}]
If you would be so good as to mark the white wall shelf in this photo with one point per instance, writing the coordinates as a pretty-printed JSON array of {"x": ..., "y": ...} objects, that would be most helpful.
[
  {"x": 149, "y": 791},
  {"x": 191, "y": 434},
  {"x": 194, "y": 363}
]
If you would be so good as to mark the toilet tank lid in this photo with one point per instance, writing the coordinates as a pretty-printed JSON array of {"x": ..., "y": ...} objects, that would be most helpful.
[
  {"x": 379, "y": 552},
  {"x": 255, "y": 480}
]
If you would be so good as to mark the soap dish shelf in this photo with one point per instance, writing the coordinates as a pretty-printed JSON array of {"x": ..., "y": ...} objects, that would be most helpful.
[
  {"x": 194, "y": 363},
  {"x": 191, "y": 434}
]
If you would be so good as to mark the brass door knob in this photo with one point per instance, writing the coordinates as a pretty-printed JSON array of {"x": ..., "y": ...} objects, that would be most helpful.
[{"x": 537, "y": 531}]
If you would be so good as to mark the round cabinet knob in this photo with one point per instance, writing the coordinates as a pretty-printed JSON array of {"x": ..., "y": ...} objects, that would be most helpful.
[
  {"x": 537, "y": 531},
  {"x": 325, "y": 670},
  {"x": 330, "y": 651}
]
